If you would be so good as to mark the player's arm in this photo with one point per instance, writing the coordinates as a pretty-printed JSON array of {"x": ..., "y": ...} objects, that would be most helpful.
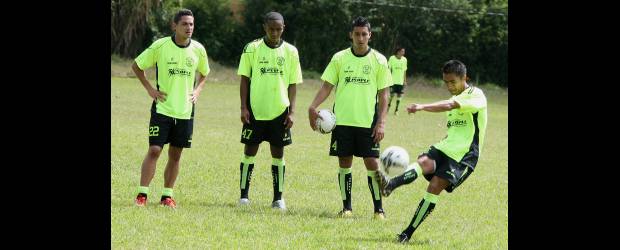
[
  {"x": 379, "y": 130},
  {"x": 440, "y": 106},
  {"x": 292, "y": 92},
  {"x": 318, "y": 99},
  {"x": 155, "y": 94},
  {"x": 245, "y": 113},
  {"x": 201, "y": 82}
]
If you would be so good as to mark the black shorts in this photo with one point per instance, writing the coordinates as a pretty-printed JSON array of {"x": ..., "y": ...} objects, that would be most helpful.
[
  {"x": 274, "y": 131},
  {"x": 396, "y": 89},
  {"x": 447, "y": 168},
  {"x": 165, "y": 129},
  {"x": 348, "y": 140}
]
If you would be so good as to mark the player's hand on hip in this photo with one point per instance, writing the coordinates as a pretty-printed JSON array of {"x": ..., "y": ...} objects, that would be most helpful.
[
  {"x": 288, "y": 122},
  {"x": 312, "y": 116},
  {"x": 245, "y": 116},
  {"x": 378, "y": 132},
  {"x": 157, "y": 95}
]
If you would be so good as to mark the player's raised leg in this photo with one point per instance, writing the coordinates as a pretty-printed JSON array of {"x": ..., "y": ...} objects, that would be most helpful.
[{"x": 424, "y": 165}]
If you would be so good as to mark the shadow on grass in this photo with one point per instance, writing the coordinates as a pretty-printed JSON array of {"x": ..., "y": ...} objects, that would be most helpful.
[
  {"x": 391, "y": 239},
  {"x": 254, "y": 208}
]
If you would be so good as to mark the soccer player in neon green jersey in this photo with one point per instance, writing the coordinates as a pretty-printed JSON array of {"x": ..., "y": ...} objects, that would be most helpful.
[
  {"x": 398, "y": 67},
  {"x": 176, "y": 59},
  {"x": 361, "y": 76},
  {"x": 269, "y": 69},
  {"x": 447, "y": 163}
]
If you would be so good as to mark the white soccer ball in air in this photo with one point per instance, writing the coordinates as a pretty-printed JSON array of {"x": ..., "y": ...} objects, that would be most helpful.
[
  {"x": 394, "y": 161},
  {"x": 327, "y": 122}
]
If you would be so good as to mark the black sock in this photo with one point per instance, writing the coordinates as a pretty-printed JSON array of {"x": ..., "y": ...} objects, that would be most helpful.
[
  {"x": 373, "y": 185},
  {"x": 345, "y": 180},
  {"x": 245, "y": 176},
  {"x": 406, "y": 178},
  {"x": 424, "y": 209},
  {"x": 163, "y": 197},
  {"x": 278, "y": 180},
  {"x": 397, "y": 103}
]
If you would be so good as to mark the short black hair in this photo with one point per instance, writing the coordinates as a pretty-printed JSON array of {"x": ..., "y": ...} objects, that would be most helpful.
[
  {"x": 360, "y": 22},
  {"x": 454, "y": 67},
  {"x": 181, "y": 13},
  {"x": 273, "y": 16},
  {"x": 398, "y": 49}
]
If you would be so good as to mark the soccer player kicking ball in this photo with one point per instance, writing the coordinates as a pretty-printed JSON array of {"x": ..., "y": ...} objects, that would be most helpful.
[
  {"x": 361, "y": 76},
  {"x": 447, "y": 163},
  {"x": 269, "y": 69},
  {"x": 177, "y": 59}
]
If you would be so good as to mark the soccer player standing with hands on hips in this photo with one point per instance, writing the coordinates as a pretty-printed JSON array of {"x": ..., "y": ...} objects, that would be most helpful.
[
  {"x": 269, "y": 69},
  {"x": 361, "y": 77},
  {"x": 176, "y": 58},
  {"x": 447, "y": 164}
]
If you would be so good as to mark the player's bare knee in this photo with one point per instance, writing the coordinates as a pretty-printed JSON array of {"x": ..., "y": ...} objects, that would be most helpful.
[
  {"x": 154, "y": 152},
  {"x": 250, "y": 150},
  {"x": 277, "y": 152},
  {"x": 371, "y": 163},
  {"x": 427, "y": 164},
  {"x": 345, "y": 162}
]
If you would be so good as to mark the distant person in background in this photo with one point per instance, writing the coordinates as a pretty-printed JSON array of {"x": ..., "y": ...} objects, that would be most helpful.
[
  {"x": 448, "y": 163},
  {"x": 270, "y": 71},
  {"x": 176, "y": 58},
  {"x": 398, "y": 67}
]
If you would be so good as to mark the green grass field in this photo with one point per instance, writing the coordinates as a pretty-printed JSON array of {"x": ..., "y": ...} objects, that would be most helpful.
[{"x": 475, "y": 216}]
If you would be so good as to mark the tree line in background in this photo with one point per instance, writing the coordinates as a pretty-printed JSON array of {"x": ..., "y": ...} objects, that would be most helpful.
[{"x": 432, "y": 32}]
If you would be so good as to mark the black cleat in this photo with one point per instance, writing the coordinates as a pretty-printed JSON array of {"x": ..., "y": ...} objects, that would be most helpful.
[
  {"x": 384, "y": 182},
  {"x": 402, "y": 238}
]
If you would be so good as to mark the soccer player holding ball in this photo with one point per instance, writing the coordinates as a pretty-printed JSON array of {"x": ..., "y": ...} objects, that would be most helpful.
[
  {"x": 269, "y": 69},
  {"x": 447, "y": 164},
  {"x": 361, "y": 77}
]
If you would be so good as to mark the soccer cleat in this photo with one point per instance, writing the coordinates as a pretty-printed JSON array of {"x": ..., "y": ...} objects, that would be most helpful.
[
  {"x": 244, "y": 201},
  {"x": 402, "y": 238},
  {"x": 379, "y": 216},
  {"x": 279, "y": 204},
  {"x": 383, "y": 180},
  {"x": 396, "y": 113},
  {"x": 345, "y": 213},
  {"x": 140, "y": 201},
  {"x": 168, "y": 202}
]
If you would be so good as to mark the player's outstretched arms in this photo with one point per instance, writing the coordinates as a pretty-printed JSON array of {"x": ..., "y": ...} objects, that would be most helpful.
[{"x": 440, "y": 106}]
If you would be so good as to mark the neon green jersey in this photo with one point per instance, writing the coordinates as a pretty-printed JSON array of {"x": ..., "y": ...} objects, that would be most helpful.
[
  {"x": 271, "y": 71},
  {"x": 466, "y": 125},
  {"x": 176, "y": 69},
  {"x": 358, "y": 79},
  {"x": 398, "y": 68}
]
